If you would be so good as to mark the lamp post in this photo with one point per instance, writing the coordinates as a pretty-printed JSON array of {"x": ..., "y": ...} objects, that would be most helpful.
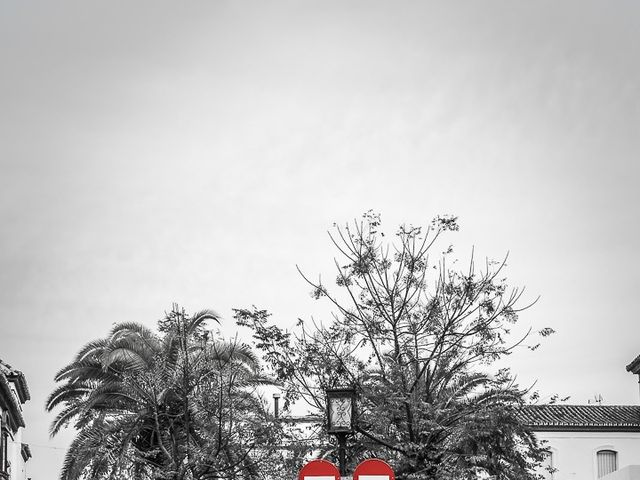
[
  {"x": 341, "y": 413},
  {"x": 276, "y": 401}
]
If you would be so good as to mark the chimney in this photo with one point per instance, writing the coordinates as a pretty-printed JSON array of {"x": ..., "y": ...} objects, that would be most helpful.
[{"x": 276, "y": 400}]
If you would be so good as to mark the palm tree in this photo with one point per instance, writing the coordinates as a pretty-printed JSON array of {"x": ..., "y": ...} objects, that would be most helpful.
[
  {"x": 170, "y": 405},
  {"x": 464, "y": 422}
]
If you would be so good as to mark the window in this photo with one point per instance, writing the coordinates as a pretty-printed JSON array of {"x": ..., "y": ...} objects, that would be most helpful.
[{"x": 607, "y": 462}]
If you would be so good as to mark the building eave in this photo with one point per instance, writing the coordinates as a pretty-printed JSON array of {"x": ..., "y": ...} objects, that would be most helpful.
[
  {"x": 18, "y": 379},
  {"x": 634, "y": 366},
  {"x": 21, "y": 386},
  {"x": 10, "y": 401},
  {"x": 584, "y": 428},
  {"x": 303, "y": 419}
]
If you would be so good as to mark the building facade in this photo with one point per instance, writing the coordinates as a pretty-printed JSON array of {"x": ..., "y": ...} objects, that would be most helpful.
[
  {"x": 586, "y": 442},
  {"x": 589, "y": 442},
  {"x": 14, "y": 454}
]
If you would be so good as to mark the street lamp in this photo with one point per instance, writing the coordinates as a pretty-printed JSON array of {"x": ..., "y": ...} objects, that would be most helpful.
[{"x": 341, "y": 414}]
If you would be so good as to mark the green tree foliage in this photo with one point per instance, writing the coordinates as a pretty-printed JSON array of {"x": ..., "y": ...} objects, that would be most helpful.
[
  {"x": 176, "y": 404},
  {"x": 417, "y": 340}
]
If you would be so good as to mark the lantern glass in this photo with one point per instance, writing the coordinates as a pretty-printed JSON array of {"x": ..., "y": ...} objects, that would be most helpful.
[{"x": 340, "y": 410}]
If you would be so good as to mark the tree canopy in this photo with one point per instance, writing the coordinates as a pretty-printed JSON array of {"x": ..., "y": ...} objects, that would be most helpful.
[
  {"x": 178, "y": 403},
  {"x": 418, "y": 341}
]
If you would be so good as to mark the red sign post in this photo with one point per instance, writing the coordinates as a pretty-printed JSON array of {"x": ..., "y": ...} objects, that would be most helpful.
[
  {"x": 319, "y": 470},
  {"x": 373, "y": 469}
]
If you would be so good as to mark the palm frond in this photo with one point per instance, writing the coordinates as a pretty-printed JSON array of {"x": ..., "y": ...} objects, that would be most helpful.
[
  {"x": 200, "y": 317},
  {"x": 125, "y": 394},
  {"x": 67, "y": 393},
  {"x": 90, "y": 349}
]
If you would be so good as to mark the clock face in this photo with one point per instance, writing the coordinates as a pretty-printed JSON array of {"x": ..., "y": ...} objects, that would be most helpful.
[{"x": 340, "y": 413}]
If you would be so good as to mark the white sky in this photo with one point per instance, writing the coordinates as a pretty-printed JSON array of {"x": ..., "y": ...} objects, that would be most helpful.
[{"x": 154, "y": 152}]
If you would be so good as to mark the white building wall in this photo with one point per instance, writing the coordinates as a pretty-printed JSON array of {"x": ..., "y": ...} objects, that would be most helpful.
[
  {"x": 18, "y": 465},
  {"x": 626, "y": 473},
  {"x": 14, "y": 455},
  {"x": 14, "y": 450},
  {"x": 574, "y": 453}
]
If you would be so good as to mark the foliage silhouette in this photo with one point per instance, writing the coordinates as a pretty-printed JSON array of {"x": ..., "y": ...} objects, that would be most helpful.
[
  {"x": 417, "y": 340},
  {"x": 175, "y": 404}
]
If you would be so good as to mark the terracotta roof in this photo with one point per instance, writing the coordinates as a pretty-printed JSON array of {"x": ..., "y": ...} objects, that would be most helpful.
[
  {"x": 634, "y": 366},
  {"x": 6, "y": 368},
  {"x": 557, "y": 417},
  {"x": 303, "y": 419},
  {"x": 582, "y": 417},
  {"x": 11, "y": 402},
  {"x": 18, "y": 378}
]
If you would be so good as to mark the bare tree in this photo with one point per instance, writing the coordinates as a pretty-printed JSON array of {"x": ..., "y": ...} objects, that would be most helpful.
[{"x": 416, "y": 339}]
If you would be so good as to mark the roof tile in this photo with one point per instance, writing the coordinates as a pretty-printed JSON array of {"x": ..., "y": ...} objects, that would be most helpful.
[{"x": 581, "y": 417}]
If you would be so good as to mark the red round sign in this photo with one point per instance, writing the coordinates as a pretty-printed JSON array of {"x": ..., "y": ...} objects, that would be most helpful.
[
  {"x": 373, "y": 469},
  {"x": 319, "y": 470}
]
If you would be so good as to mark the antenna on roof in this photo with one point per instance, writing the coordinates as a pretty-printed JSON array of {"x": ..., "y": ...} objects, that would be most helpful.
[{"x": 597, "y": 399}]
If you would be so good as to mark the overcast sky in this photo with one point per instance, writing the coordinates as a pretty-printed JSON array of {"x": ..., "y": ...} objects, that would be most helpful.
[{"x": 154, "y": 152}]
